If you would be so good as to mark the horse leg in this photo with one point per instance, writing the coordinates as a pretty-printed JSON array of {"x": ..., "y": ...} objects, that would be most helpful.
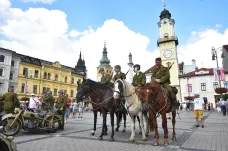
[
  {"x": 94, "y": 122},
  {"x": 124, "y": 116},
  {"x": 112, "y": 124},
  {"x": 117, "y": 121},
  {"x": 156, "y": 135},
  {"x": 174, "y": 122},
  {"x": 105, "y": 130},
  {"x": 140, "y": 128},
  {"x": 147, "y": 124},
  {"x": 164, "y": 126},
  {"x": 132, "y": 138},
  {"x": 103, "y": 125}
]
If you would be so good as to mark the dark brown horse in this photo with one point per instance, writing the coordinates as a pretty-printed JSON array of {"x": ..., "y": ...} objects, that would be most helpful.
[
  {"x": 103, "y": 101},
  {"x": 156, "y": 102}
]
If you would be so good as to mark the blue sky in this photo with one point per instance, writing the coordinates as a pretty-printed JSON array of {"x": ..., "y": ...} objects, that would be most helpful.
[{"x": 140, "y": 16}]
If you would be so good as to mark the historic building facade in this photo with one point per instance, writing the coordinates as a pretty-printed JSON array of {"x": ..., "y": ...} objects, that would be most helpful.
[
  {"x": 201, "y": 81},
  {"x": 9, "y": 64},
  {"x": 37, "y": 76},
  {"x": 225, "y": 57},
  {"x": 104, "y": 63}
]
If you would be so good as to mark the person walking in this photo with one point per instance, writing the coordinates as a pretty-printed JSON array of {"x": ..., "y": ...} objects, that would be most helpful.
[{"x": 198, "y": 110}]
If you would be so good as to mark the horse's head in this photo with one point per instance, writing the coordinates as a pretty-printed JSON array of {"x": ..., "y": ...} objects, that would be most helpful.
[
  {"x": 118, "y": 89},
  {"x": 144, "y": 93},
  {"x": 83, "y": 90}
]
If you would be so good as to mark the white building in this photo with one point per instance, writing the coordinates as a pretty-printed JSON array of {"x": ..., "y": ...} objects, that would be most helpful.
[{"x": 9, "y": 65}]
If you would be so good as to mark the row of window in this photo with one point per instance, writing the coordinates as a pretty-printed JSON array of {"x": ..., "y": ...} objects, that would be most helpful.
[
  {"x": 46, "y": 75},
  {"x": 2, "y": 59},
  {"x": 35, "y": 89},
  {"x": 203, "y": 86},
  {"x": 2, "y": 73}
]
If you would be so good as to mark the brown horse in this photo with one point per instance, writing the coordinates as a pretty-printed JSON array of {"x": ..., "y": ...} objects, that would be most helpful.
[{"x": 156, "y": 102}]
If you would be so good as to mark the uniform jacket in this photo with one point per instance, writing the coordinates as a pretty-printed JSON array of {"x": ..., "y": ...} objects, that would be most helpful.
[
  {"x": 11, "y": 101},
  {"x": 61, "y": 102},
  {"x": 119, "y": 75},
  {"x": 161, "y": 73},
  {"x": 105, "y": 79},
  {"x": 139, "y": 79}
]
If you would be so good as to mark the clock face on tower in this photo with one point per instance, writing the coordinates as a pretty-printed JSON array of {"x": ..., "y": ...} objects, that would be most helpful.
[{"x": 167, "y": 53}]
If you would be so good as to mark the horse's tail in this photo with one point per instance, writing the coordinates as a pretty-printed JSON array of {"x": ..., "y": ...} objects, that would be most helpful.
[{"x": 151, "y": 121}]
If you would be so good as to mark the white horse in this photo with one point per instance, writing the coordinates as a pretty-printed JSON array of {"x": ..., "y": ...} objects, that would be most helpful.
[{"x": 133, "y": 106}]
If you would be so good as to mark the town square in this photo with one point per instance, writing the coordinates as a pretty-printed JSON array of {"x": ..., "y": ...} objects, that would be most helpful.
[{"x": 113, "y": 75}]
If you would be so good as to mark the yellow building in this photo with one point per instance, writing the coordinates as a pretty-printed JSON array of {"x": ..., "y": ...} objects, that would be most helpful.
[
  {"x": 104, "y": 63},
  {"x": 37, "y": 76}
]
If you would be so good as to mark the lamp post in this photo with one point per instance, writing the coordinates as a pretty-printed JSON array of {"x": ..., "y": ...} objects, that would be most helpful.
[{"x": 215, "y": 57}]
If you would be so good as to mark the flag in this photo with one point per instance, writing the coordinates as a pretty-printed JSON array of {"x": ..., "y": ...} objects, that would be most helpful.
[
  {"x": 215, "y": 74},
  {"x": 222, "y": 74},
  {"x": 26, "y": 89}
]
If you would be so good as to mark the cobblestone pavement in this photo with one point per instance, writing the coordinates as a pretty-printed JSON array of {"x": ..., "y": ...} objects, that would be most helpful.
[{"x": 76, "y": 136}]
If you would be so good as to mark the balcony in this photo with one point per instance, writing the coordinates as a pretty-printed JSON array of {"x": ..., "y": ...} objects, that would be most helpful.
[{"x": 167, "y": 39}]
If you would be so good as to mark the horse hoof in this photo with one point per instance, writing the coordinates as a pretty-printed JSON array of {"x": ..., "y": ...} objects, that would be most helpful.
[
  {"x": 123, "y": 131},
  {"x": 140, "y": 133},
  {"x": 144, "y": 139},
  {"x": 156, "y": 143},
  {"x": 132, "y": 139},
  {"x": 166, "y": 143},
  {"x": 100, "y": 138},
  {"x": 111, "y": 139},
  {"x": 117, "y": 130},
  {"x": 174, "y": 138},
  {"x": 92, "y": 133},
  {"x": 105, "y": 133},
  {"x": 147, "y": 135}
]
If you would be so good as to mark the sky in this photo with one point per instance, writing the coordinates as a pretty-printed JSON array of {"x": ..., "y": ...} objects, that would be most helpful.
[{"x": 56, "y": 30}]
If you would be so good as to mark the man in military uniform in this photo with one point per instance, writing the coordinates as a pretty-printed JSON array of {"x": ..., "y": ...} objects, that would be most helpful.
[
  {"x": 106, "y": 78},
  {"x": 161, "y": 75},
  {"x": 11, "y": 101},
  {"x": 119, "y": 74},
  {"x": 139, "y": 78},
  {"x": 48, "y": 101},
  {"x": 61, "y": 106}
]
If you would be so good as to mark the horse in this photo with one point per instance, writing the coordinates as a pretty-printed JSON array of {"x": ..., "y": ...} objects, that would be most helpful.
[
  {"x": 104, "y": 101},
  {"x": 120, "y": 113},
  {"x": 133, "y": 105},
  {"x": 155, "y": 100}
]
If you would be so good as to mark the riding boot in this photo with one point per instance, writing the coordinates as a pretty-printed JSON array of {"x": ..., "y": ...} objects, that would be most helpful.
[{"x": 62, "y": 126}]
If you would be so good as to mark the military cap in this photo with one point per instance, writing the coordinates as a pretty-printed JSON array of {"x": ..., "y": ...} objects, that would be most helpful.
[
  {"x": 117, "y": 67},
  {"x": 60, "y": 91},
  {"x": 158, "y": 59},
  {"x": 102, "y": 69},
  {"x": 32, "y": 94},
  {"x": 136, "y": 66}
]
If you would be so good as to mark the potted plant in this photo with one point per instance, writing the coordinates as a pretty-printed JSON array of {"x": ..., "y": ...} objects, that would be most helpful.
[{"x": 189, "y": 98}]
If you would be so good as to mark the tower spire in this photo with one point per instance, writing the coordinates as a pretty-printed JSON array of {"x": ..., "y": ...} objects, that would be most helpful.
[
  {"x": 105, "y": 59},
  {"x": 164, "y": 4}
]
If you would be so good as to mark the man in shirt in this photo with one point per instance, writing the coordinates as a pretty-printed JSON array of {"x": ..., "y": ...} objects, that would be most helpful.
[
  {"x": 33, "y": 102},
  {"x": 198, "y": 110}
]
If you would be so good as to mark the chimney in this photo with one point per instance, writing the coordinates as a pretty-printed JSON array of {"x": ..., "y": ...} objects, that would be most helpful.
[{"x": 194, "y": 63}]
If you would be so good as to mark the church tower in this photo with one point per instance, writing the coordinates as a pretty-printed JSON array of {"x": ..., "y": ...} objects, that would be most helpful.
[
  {"x": 80, "y": 67},
  {"x": 167, "y": 43},
  {"x": 104, "y": 63}
]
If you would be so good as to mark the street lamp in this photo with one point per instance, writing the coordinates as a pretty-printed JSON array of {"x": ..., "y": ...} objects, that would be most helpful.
[{"x": 215, "y": 57}]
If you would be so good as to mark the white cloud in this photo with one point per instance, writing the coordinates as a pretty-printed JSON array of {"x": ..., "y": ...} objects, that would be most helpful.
[
  {"x": 41, "y": 1},
  {"x": 43, "y": 33},
  {"x": 218, "y": 25}
]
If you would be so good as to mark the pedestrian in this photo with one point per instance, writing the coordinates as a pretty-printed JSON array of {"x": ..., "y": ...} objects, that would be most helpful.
[
  {"x": 198, "y": 110},
  {"x": 67, "y": 114},
  {"x": 223, "y": 106},
  {"x": 33, "y": 102},
  {"x": 80, "y": 110},
  {"x": 209, "y": 107},
  {"x": 75, "y": 108}
]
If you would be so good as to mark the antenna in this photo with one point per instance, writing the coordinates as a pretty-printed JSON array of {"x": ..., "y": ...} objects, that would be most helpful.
[{"x": 164, "y": 5}]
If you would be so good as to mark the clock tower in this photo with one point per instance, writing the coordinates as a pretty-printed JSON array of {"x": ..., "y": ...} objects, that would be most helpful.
[{"x": 167, "y": 43}]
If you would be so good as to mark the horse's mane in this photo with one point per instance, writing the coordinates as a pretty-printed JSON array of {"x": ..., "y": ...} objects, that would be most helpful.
[
  {"x": 129, "y": 89},
  {"x": 96, "y": 84}
]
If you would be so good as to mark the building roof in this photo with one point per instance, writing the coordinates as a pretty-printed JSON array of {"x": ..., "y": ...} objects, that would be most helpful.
[
  {"x": 226, "y": 48},
  {"x": 38, "y": 62},
  {"x": 199, "y": 72},
  {"x": 149, "y": 70},
  {"x": 165, "y": 14}
]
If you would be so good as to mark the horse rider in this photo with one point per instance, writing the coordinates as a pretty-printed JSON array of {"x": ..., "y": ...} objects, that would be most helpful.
[
  {"x": 61, "y": 106},
  {"x": 106, "y": 78},
  {"x": 119, "y": 74},
  {"x": 10, "y": 101},
  {"x": 161, "y": 75},
  {"x": 139, "y": 78}
]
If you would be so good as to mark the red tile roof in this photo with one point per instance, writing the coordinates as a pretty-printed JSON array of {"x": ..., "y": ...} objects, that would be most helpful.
[
  {"x": 149, "y": 70},
  {"x": 193, "y": 73}
]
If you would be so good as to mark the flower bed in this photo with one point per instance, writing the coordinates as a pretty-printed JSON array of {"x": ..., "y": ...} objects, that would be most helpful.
[{"x": 220, "y": 90}]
